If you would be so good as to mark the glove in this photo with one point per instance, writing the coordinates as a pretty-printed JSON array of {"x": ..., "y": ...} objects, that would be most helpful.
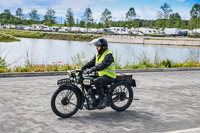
[{"x": 89, "y": 71}]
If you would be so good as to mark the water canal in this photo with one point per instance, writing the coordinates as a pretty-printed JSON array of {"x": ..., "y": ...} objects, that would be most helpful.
[{"x": 46, "y": 51}]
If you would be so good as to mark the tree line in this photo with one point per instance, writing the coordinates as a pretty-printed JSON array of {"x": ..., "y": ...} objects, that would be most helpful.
[{"x": 165, "y": 18}]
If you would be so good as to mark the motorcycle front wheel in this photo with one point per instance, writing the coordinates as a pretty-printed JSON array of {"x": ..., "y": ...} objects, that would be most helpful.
[
  {"x": 122, "y": 96},
  {"x": 65, "y": 102}
]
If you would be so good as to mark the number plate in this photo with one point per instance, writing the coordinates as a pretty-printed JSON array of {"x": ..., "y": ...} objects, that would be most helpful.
[
  {"x": 86, "y": 82},
  {"x": 61, "y": 81}
]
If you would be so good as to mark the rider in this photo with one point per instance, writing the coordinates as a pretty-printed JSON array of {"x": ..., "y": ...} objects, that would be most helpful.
[{"x": 103, "y": 62}]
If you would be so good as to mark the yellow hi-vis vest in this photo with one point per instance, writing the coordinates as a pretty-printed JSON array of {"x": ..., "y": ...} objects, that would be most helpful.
[{"x": 110, "y": 70}]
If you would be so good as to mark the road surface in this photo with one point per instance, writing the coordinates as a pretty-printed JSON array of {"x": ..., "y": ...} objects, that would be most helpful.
[{"x": 169, "y": 102}]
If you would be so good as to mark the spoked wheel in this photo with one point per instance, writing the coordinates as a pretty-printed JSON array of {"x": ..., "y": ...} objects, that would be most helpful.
[
  {"x": 65, "y": 102},
  {"x": 122, "y": 96}
]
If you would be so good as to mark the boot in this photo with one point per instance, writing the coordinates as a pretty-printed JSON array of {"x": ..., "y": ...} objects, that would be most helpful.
[{"x": 102, "y": 103}]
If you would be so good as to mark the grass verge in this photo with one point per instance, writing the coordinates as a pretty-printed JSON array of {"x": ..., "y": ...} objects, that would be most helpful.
[
  {"x": 43, "y": 35},
  {"x": 7, "y": 38}
]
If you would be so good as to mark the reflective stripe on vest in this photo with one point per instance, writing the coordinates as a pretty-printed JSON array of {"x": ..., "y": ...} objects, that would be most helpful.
[{"x": 110, "y": 70}]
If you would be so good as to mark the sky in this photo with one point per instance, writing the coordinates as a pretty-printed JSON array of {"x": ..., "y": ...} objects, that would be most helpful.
[{"x": 145, "y": 9}]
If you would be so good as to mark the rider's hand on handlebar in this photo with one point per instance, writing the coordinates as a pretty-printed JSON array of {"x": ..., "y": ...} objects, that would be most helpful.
[{"x": 89, "y": 71}]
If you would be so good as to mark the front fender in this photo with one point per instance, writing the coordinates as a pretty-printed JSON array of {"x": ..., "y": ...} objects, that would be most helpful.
[{"x": 72, "y": 86}]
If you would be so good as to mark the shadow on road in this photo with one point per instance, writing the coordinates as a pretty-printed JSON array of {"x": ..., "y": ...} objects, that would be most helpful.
[{"x": 109, "y": 116}]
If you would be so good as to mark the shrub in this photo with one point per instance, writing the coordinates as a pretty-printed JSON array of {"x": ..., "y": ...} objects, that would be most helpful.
[
  {"x": 3, "y": 70},
  {"x": 194, "y": 36},
  {"x": 145, "y": 60},
  {"x": 166, "y": 63},
  {"x": 190, "y": 63},
  {"x": 3, "y": 63},
  {"x": 79, "y": 59}
]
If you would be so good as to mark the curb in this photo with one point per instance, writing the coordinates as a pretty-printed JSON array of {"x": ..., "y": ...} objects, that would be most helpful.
[
  {"x": 34, "y": 74},
  {"x": 31, "y": 74},
  {"x": 159, "y": 70}
]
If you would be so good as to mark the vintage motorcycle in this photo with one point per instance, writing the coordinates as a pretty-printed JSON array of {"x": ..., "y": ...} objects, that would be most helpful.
[{"x": 77, "y": 91}]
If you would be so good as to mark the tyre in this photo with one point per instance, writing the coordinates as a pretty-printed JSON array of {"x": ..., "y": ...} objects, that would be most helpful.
[
  {"x": 122, "y": 96},
  {"x": 65, "y": 102}
]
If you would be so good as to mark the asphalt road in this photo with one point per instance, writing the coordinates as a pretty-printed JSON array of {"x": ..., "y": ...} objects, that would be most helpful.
[{"x": 169, "y": 102}]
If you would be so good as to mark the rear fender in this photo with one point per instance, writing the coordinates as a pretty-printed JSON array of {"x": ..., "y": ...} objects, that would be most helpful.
[{"x": 131, "y": 82}]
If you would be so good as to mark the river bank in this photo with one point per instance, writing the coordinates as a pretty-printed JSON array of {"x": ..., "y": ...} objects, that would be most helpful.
[
  {"x": 48, "y": 35},
  {"x": 173, "y": 41},
  {"x": 154, "y": 40},
  {"x": 7, "y": 38}
]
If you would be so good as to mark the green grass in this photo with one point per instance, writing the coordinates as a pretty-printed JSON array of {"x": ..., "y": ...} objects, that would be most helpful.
[
  {"x": 7, "y": 38},
  {"x": 164, "y": 64},
  {"x": 194, "y": 36},
  {"x": 154, "y": 35},
  {"x": 43, "y": 68},
  {"x": 70, "y": 37},
  {"x": 42, "y": 35},
  {"x": 22, "y": 33}
]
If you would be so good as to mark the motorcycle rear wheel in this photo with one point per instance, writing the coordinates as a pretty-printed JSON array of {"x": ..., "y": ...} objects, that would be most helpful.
[
  {"x": 122, "y": 96},
  {"x": 65, "y": 102}
]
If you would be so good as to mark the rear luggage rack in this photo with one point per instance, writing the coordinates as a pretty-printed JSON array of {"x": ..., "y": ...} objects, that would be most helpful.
[{"x": 126, "y": 77}]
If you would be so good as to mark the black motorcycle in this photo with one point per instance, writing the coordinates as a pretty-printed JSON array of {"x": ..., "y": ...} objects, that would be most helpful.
[{"x": 77, "y": 91}]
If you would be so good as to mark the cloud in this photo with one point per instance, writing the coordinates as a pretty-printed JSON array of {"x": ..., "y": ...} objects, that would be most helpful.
[
  {"x": 149, "y": 13},
  {"x": 97, "y": 16},
  {"x": 183, "y": 12},
  {"x": 119, "y": 15},
  {"x": 77, "y": 6},
  {"x": 10, "y": 3},
  {"x": 60, "y": 6},
  {"x": 181, "y": 0},
  {"x": 116, "y": 15}
]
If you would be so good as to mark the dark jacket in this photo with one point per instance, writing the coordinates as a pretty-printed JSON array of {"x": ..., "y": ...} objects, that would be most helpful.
[{"x": 103, "y": 65}]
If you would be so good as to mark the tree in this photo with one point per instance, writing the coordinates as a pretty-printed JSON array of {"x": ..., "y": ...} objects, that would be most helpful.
[
  {"x": 106, "y": 18},
  {"x": 7, "y": 11},
  {"x": 34, "y": 16},
  {"x": 195, "y": 11},
  {"x": 195, "y": 16},
  {"x": 70, "y": 17},
  {"x": 88, "y": 17},
  {"x": 19, "y": 13},
  {"x": 175, "y": 20},
  {"x": 6, "y": 17},
  {"x": 82, "y": 23},
  {"x": 184, "y": 24},
  {"x": 131, "y": 14},
  {"x": 49, "y": 18},
  {"x": 164, "y": 13}
]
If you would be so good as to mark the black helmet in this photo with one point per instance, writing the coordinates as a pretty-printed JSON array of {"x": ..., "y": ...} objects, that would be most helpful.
[{"x": 100, "y": 42}]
